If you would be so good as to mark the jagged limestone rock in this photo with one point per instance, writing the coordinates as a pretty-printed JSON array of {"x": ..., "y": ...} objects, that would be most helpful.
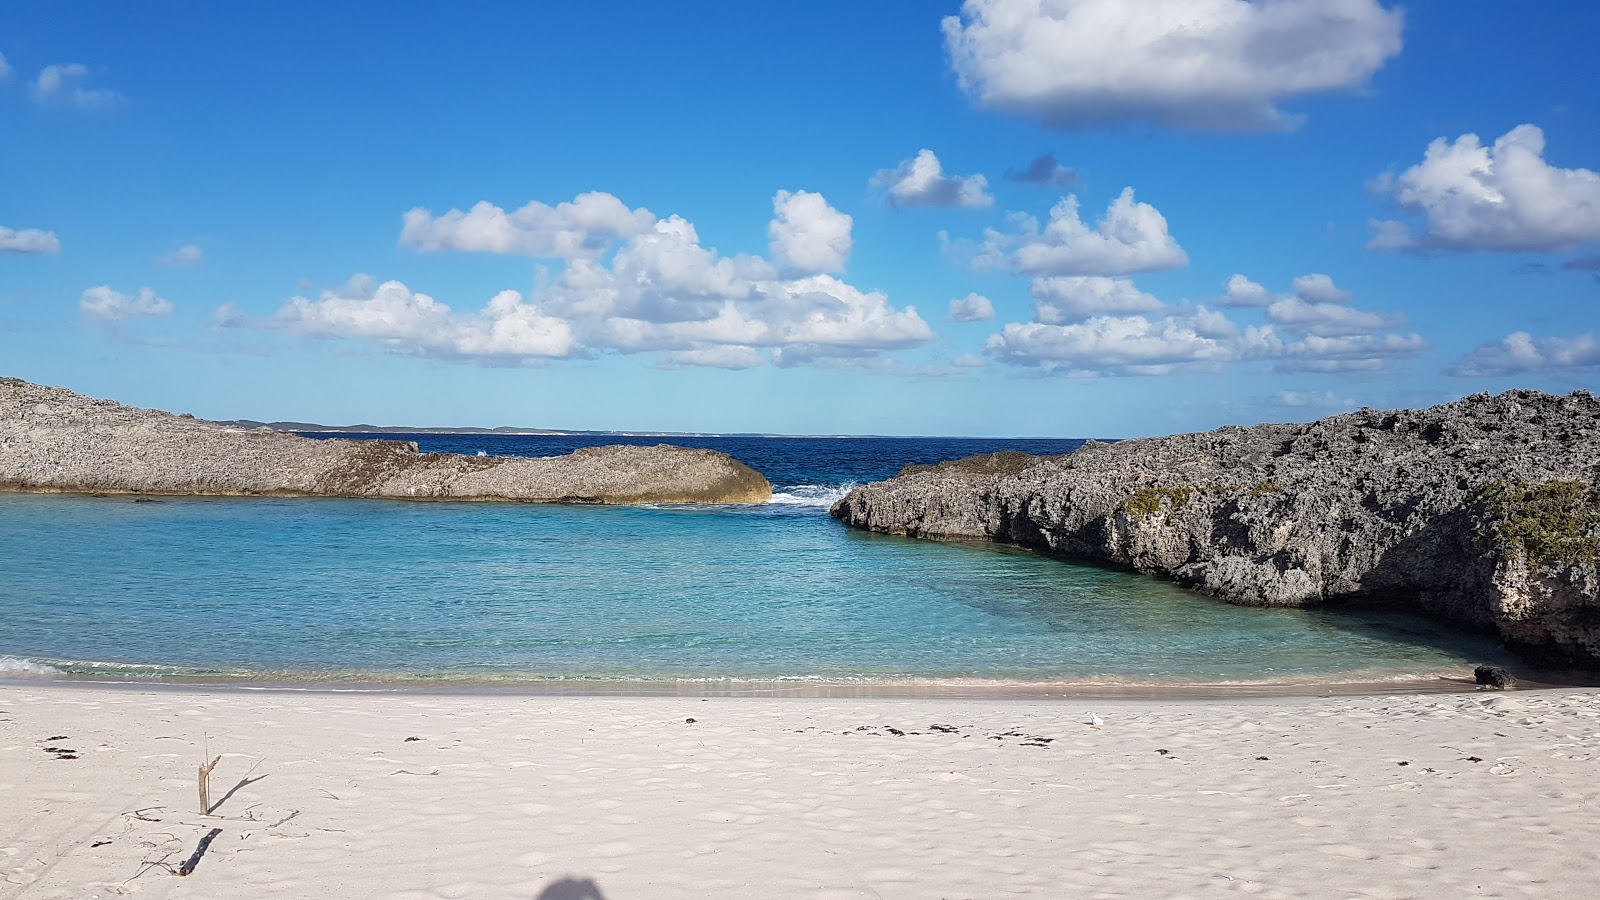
[
  {"x": 1484, "y": 512},
  {"x": 52, "y": 439}
]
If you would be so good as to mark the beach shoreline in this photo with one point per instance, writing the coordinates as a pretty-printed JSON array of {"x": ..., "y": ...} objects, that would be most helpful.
[
  {"x": 999, "y": 690},
  {"x": 423, "y": 795}
]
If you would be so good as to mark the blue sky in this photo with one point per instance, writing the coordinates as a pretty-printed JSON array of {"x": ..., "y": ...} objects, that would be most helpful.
[{"x": 807, "y": 219}]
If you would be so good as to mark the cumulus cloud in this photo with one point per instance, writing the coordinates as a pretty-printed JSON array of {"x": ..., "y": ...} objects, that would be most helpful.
[
  {"x": 1328, "y": 319},
  {"x": 971, "y": 308},
  {"x": 1120, "y": 344},
  {"x": 1318, "y": 288},
  {"x": 729, "y": 357},
  {"x": 1500, "y": 197},
  {"x": 114, "y": 306},
  {"x": 822, "y": 313},
  {"x": 187, "y": 255},
  {"x": 657, "y": 289},
  {"x": 1522, "y": 353},
  {"x": 663, "y": 275},
  {"x": 807, "y": 235},
  {"x": 64, "y": 84},
  {"x": 28, "y": 240},
  {"x": 404, "y": 320},
  {"x": 1319, "y": 400},
  {"x": 1075, "y": 298},
  {"x": 921, "y": 181},
  {"x": 1206, "y": 64},
  {"x": 1131, "y": 237},
  {"x": 1344, "y": 353},
  {"x": 229, "y": 315},
  {"x": 1045, "y": 171},
  {"x": 587, "y": 226},
  {"x": 1241, "y": 291},
  {"x": 1089, "y": 326}
]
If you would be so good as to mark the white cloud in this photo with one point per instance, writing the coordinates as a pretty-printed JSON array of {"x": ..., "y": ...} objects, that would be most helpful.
[
  {"x": 1318, "y": 288},
  {"x": 229, "y": 315},
  {"x": 187, "y": 255},
  {"x": 1045, "y": 171},
  {"x": 1241, "y": 291},
  {"x": 921, "y": 181},
  {"x": 1210, "y": 64},
  {"x": 28, "y": 240},
  {"x": 1074, "y": 298},
  {"x": 807, "y": 235},
  {"x": 663, "y": 275},
  {"x": 1345, "y": 353},
  {"x": 1319, "y": 400},
  {"x": 113, "y": 306},
  {"x": 411, "y": 322},
  {"x": 1502, "y": 197},
  {"x": 1086, "y": 326},
  {"x": 729, "y": 357},
  {"x": 64, "y": 84},
  {"x": 1120, "y": 344},
  {"x": 971, "y": 308},
  {"x": 587, "y": 226},
  {"x": 659, "y": 290},
  {"x": 1131, "y": 237},
  {"x": 1522, "y": 353},
  {"x": 1328, "y": 319},
  {"x": 823, "y": 313}
]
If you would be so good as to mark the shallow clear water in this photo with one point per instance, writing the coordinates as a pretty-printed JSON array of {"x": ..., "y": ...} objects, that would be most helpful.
[{"x": 331, "y": 590}]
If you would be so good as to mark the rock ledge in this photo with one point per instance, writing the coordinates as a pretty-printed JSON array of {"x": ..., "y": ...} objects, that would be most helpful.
[
  {"x": 54, "y": 440},
  {"x": 1484, "y": 512}
]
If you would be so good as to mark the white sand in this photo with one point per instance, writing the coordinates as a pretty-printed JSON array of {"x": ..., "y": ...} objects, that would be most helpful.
[{"x": 513, "y": 797}]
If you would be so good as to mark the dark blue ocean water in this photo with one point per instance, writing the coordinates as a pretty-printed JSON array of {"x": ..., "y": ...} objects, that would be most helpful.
[
  {"x": 332, "y": 591},
  {"x": 801, "y": 469}
]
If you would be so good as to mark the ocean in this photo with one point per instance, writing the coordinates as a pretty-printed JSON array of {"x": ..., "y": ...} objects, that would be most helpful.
[{"x": 330, "y": 592}]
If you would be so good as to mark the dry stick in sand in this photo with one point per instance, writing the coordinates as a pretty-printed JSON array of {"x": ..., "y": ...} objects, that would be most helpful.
[{"x": 205, "y": 781}]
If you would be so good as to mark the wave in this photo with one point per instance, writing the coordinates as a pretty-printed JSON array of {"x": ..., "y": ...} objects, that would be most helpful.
[
  {"x": 818, "y": 495},
  {"x": 11, "y": 665}
]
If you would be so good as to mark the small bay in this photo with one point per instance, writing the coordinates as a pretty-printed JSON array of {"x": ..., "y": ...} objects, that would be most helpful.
[{"x": 344, "y": 591}]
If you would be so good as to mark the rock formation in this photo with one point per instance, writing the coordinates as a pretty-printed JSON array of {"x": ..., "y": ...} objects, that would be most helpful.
[
  {"x": 52, "y": 439},
  {"x": 1484, "y": 512}
]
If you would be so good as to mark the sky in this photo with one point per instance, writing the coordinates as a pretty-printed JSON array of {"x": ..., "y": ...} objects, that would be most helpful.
[{"x": 1059, "y": 218}]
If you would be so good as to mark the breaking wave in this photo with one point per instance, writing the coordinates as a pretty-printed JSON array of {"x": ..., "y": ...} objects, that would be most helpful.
[
  {"x": 11, "y": 665},
  {"x": 818, "y": 495}
]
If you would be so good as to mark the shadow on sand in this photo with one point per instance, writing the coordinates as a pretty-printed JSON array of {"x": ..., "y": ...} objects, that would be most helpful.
[{"x": 572, "y": 889}]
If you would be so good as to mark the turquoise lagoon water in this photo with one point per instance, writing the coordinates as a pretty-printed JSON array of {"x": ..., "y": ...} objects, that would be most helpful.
[{"x": 335, "y": 591}]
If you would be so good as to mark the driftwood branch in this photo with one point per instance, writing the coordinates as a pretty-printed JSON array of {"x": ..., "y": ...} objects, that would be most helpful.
[
  {"x": 199, "y": 851},
  {"x": 205, "y": 785}
]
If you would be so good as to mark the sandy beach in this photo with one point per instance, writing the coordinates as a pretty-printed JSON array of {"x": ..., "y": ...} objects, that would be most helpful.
[{"x": 356, "y": 795}]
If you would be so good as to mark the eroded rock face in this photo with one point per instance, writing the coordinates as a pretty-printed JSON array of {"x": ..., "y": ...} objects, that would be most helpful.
[
  {"x": 52, "y": 439},
  {"x": 1485, "y": 512}
]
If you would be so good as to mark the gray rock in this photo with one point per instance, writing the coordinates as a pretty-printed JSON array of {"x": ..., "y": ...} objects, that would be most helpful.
[
  {"x": 1494, "y": 676},
  {"x": 1484, "y": 512},
  {"x": 52, "y": 439}
]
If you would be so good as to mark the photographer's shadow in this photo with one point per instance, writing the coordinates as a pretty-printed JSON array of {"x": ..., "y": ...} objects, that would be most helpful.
[{"x": 572, "y": 889}]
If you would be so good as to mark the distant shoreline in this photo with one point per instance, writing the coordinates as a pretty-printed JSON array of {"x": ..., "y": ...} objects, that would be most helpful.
[{"x": 511, "y": 431}]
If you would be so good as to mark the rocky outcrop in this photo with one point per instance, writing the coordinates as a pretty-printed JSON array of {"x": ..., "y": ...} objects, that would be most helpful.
[
  {"x": 1484, "y": 512},
  {"x": 52, "y": 439}
]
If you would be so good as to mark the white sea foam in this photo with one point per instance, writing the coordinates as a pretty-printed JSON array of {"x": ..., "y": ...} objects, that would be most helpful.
[
  {"x": 820, "y": 495},
  {"x": 11, "y": 665}
]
